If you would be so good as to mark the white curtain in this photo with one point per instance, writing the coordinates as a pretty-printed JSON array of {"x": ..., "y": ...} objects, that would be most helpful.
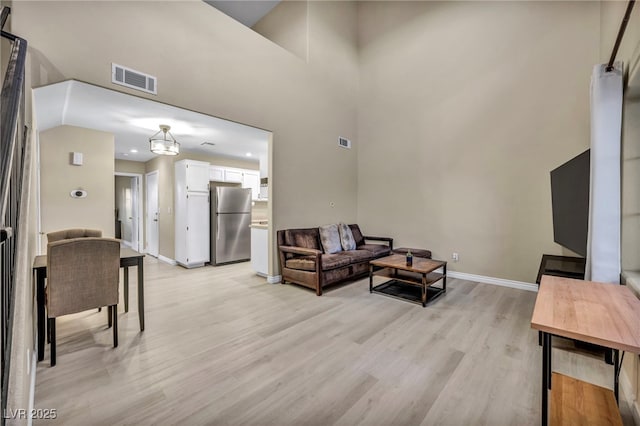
[{"x": 603, "y": 244}]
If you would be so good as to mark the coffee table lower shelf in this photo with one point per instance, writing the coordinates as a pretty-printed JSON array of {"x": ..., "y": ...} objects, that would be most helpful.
[
  {"x": 413, "y": 283},
  {"x": 404, "y": 291}
]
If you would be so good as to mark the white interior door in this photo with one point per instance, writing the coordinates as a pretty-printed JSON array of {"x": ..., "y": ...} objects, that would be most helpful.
[
  {"x": 135, "y": 226},
  {"x": 152, "y": 214}
]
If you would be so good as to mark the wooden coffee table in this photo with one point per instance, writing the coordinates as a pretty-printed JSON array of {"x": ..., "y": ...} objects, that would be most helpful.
[{"x": 413, "y": 283}]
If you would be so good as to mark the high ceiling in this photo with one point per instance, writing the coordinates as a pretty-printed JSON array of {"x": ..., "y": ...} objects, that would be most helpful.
[
  {"x": 132, "y": 120},
  {"x": 247, "y": 12}
]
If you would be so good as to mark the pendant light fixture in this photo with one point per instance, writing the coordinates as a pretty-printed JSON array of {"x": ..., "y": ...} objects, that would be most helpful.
[{"x": 163, "y": 142}]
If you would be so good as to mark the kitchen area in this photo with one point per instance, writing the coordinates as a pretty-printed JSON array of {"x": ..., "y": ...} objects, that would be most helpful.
[{"x": 221, "y": 216}]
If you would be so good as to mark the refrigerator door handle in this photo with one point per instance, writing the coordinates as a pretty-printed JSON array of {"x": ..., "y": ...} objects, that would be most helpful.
[{"x": 217, "y": 226}]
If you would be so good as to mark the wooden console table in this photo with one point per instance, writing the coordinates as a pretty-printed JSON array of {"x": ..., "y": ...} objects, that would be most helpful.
[{"x": 603, "y": 314}]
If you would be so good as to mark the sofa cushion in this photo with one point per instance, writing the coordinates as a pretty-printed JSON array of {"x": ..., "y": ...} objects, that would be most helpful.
[
  {"x": 329, "y": 261},
  {"x": 330, "y": 238},
  {"x": 333, "y": 261},
  {"x": 305, "y": 263},
  {"x": 346, "y": 237},
  {"x": 357, "y": 235},
  {"x": 376, "y": 250},
  {"x": 356, "y": 256}
]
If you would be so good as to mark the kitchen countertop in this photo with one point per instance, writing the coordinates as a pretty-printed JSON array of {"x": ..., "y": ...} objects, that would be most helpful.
[{"x": 260, "y": 225}]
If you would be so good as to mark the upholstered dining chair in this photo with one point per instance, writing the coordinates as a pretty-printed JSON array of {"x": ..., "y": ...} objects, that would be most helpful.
[
  {"x": 82, "y": 274},
  {"x": 65, "y": 234}
]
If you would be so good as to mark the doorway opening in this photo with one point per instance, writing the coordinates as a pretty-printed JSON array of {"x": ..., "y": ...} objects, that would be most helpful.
[
  {"x": 153, "y": 210},
  {"x": 128, "y": 210}
]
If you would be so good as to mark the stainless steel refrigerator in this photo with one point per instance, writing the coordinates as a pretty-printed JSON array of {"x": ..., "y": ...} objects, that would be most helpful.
[{"x": 230, "y": 220}]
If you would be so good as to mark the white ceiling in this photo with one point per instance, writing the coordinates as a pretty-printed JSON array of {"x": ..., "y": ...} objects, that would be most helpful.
[
  {"x": 247, "y": 12},
  {"x": 132, "y": 120}
]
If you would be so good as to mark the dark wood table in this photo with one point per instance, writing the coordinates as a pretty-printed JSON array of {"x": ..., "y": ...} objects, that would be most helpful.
[
  {"x": 420, "y": 274},
  {"x": 561, "y": 266},
  {"x": 603, "y": 314},
  {"x": 128, "y": 258}
]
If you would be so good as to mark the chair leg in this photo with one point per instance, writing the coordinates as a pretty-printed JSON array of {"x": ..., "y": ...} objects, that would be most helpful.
[
  {"x": 52, "y": 335},
  {"x": 114, "y": 309},
  {"x": 110, "y": 316}
]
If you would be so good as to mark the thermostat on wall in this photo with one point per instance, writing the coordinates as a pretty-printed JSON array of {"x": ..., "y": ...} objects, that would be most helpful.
[{"x": 78, "y": 193}]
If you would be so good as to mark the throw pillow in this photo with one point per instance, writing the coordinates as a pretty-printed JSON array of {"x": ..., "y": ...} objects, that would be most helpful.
[
  {"x": 330, "y": 238},
  {"x": 346, "y": 237}
]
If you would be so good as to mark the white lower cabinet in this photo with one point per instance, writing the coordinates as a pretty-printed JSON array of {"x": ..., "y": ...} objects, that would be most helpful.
[
  {"x": 260, "y": 250},
  {"x": 192, "y": 229}
]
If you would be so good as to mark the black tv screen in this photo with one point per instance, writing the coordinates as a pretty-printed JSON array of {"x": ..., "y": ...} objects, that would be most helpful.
[{"x": 570, "y": 203}]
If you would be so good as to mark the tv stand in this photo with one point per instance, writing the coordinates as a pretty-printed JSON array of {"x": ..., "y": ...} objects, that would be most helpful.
[{"x": 561, "y": 266}]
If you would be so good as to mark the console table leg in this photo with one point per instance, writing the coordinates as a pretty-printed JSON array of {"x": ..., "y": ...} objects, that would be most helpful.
[
  {"x": 549, "y": 367},
  {"x": 370, "y": 278},
  {"x": 616, "y": 368},
  {"x": 545, "y": 378}
]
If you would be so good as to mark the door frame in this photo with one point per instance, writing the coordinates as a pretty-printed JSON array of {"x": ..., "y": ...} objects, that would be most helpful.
[
  {"x": 146, "y": 207},
  {"x": 140, "y": 209}
]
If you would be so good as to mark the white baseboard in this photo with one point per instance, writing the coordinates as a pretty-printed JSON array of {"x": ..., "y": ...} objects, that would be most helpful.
[
  {"x": 520, "y": 285},
  {"x": 274, "y": 279},
  {"x": 167, "y": 260}
]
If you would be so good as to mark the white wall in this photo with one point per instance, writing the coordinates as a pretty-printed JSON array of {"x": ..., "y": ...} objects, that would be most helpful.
[
  {"x": 58, "y": 178},
  {"x": 464, "y": 109},
  {"x": 210, "y": 63}
]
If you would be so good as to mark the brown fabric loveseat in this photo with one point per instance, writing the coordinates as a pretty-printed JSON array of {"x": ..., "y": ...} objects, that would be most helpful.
[{"x": 303, "y": 260}]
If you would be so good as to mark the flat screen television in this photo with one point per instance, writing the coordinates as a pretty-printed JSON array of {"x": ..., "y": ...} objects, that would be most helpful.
[{"x": 570, "y": 203}]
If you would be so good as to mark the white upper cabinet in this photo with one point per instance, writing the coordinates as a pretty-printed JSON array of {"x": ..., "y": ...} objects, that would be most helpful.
[
  {"x": 216, "y": 174},
  {"x": 251, "y": 179},
  {"x": 248, "y": 178},
  {"x": 193, "y": 174},
  {"x": 233, "y": 175}
]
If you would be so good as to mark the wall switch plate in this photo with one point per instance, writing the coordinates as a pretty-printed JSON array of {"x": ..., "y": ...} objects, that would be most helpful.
[
  {"x": 76, "y": 158},
  {"x": 455, "y": 257}
]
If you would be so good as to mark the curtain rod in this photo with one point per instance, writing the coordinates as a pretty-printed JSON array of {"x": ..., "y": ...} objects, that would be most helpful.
[{"x": 623, "y": 26}]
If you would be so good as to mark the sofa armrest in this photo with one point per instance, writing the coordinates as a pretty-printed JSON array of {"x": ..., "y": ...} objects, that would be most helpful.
[
  {"x": 300, "y": 250},
  {"x": 305, "y": 252},
  {"x": 386, "y": 239}
]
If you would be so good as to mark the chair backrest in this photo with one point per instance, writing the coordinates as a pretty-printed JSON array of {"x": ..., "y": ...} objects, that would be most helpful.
[
  {"x": 82, "y": 274},
  {"x": 65, "y": 234}
]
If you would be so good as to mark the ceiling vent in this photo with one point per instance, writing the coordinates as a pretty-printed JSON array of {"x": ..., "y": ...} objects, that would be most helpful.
[
  {"x": 134, "y": 79},
  {"x": 344, "y": 142}
]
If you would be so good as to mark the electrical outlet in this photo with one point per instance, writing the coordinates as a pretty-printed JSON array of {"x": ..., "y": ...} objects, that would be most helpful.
[{"x": 455, "y": 257}]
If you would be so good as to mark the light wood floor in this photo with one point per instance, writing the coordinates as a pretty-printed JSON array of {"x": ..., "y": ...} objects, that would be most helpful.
[{"x": 222, "y": 346}]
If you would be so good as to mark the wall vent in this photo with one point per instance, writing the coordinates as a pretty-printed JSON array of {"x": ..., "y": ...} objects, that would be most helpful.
[
  {"x": 134, "y": 79},
  {"x": 344, "y": 142}
]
